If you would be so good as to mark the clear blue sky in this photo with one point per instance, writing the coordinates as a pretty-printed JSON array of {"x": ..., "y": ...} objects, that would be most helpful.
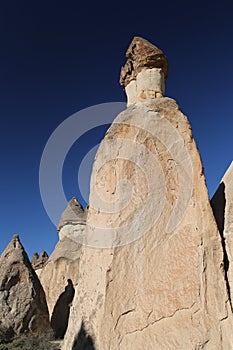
[{"x": 58, "y": 57}]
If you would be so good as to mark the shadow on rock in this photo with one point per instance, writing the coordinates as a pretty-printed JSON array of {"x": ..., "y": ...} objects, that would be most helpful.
[
  {"x": 61, "y": 311},
  {"x": 83, "y": 341}
]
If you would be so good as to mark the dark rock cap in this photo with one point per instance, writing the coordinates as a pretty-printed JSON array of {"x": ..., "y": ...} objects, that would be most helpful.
[
  {"x": 142, "y": 54},
  {"x": 39, "y": 261},
  {"x": 73, "y": 214}
]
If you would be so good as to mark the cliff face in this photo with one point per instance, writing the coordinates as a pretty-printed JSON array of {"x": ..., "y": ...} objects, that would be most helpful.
[
  {"x": 23, "y": 306},
  {"x": 153, "y": 275}
]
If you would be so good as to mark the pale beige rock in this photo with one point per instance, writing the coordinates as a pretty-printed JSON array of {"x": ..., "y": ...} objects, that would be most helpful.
[
  {"x": 63, "y": 264},
  {"x": 148, "y": 84},
  {"x": 22, "y": 300},
  {"x": 158, "y": 282},
  {"x": 165, "y": 289},
  {"x": 222, "y": 204}
]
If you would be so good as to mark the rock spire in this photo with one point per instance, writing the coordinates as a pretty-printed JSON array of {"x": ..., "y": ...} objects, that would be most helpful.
[
  {"x": 23, "y": 305},
  {"x": 145, "y": 72}
]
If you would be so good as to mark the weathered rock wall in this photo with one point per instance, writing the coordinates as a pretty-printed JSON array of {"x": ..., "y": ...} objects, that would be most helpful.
[{"x": 166, "y": 289}]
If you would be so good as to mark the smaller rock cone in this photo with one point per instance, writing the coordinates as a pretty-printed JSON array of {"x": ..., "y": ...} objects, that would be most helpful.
[{"x": 23, "y": 305}]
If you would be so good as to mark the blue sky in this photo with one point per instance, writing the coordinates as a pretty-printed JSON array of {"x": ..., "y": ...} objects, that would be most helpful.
[{"x": 59, "y": 57}]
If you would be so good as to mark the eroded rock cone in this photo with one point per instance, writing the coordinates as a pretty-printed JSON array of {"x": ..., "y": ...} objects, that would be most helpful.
[
  {"x": 63, "y": 265},
  {"x": 154, "y": 277},
  {"x": 23, "y": 306},
  {"x": 74, "y": 214},
  {"x": 39, "y": 260}
]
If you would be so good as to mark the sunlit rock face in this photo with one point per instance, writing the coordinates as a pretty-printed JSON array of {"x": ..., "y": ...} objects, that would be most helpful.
[
  {"x": 22, "y": 300},
  {"x": 151, "y": 272},
  {"x": 63, "y": 264}
]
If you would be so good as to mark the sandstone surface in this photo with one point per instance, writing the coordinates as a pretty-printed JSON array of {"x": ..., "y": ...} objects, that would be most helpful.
[
  {"x": 151, "y": 272},
  {"x": 22, "y": 300},
  {"x": 62, "y": 267}
]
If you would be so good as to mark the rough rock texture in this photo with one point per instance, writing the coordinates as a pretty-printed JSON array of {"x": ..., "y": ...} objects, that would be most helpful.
[
  {"x": 144, "y": 74},
  {"x": 222, "y": 204},
  {"x": 39, "y": 261},
  {"x": 166, "y": 289},
  {"x": 63, "y": 263},
  {"x": 61, "y": 266},
  {"x": 142, "y": 55},
  {"x": 72, "y": 215},
  {"x": 149, "y": 84},
  {"x": 22, "y": 300}
]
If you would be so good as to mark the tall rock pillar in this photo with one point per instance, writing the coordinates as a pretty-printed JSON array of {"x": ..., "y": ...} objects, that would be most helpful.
[{"x": 151, "y": 274}]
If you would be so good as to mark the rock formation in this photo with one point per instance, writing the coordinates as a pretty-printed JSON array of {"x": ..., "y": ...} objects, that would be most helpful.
[
  {"x": 222, "y": 204},
  {"x": 144, "y": 74},
  {"x": 152, "y": 273},
  {"x": 22, "y": 300},
  {"x": 73, "y": 221},
  {"x": 38, "y": 261},
  {"x": 63, "y": 264}
]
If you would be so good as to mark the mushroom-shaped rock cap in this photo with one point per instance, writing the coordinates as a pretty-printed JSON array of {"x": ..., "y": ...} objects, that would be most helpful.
[
  {"x": 142, "y": 54},
  {"x": 73, "y": 214}
]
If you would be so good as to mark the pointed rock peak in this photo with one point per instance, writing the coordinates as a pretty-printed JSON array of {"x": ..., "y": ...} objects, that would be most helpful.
[
  {"x": 15, "y": 237},
  {"x": 23, "y": 305},
  {"x": 43, "y": 254},
  {"x": 74, "y": 203},
  {"x": 73, "y": 214},
  {"x": 39, "y": 261},
  {"x": 13, "y": 245},
  {"x": 228, "y": 173},
  {"x": 141, "y": 54}
]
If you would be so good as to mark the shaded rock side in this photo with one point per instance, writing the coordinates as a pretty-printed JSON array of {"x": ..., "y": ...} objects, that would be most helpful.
[
  {"x": 62, "y": 265},
  {"x": 61, "y": 312},
  {"x": 222, "y": 204},
  {"x": 22, "y": 300}
]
